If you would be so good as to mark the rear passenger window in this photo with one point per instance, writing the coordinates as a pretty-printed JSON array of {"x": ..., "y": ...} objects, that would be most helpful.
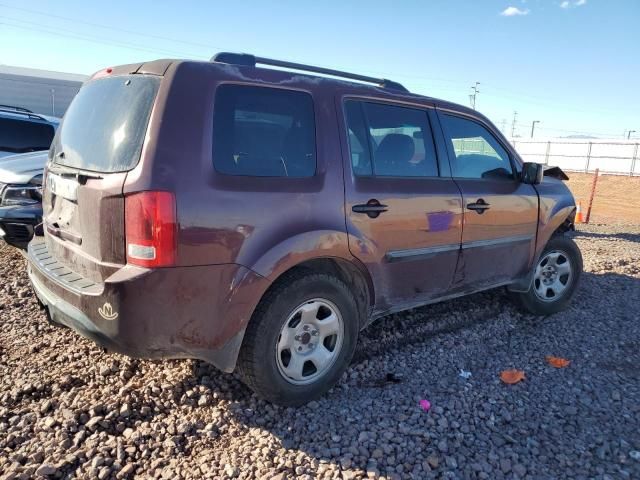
[
  {"x": 390, "y": 141},
  {"x": 264, "y": 132},
  {"x": 478, "y": 154}
]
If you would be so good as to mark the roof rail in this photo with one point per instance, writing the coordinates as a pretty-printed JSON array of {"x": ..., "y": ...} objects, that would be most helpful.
[
  {"x": 26, "y": 113},
  {"x": 17, "y": 109},
  {"x": 248, "y": 60}
]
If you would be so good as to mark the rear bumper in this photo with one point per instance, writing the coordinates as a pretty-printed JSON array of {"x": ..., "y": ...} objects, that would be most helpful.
[
  {"x": 181, "y": 312},
  {"x": 18, "y": 223}
]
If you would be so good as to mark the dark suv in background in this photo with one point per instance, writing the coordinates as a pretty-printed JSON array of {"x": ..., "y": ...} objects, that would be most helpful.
[
  {"x": 24, "y": 139},
  {"x": 22, "y": 131},
  {"x": 260, "y": 218},
  {"x": 21, "y": 196}
]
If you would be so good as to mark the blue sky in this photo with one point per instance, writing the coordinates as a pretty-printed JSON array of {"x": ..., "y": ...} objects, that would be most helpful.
[{"x": 573, "y": 64}]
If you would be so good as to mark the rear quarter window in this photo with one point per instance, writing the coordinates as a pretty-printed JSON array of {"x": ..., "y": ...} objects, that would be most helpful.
[{"x": 263, "y": 132}]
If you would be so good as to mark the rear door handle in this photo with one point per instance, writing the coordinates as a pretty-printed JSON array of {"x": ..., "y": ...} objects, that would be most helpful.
[
  {"x": 479, "y": 206},
  {"x": 373, "y": 208}
]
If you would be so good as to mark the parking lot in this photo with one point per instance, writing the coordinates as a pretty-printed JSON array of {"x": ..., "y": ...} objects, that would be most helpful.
[{"x": 69, "y": 409}]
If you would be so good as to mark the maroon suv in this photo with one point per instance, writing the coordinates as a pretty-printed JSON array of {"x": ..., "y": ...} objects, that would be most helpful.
[{"x": 259, "y": 218}]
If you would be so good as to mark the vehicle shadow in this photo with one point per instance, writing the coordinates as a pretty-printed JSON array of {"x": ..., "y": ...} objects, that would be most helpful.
[
  {"x": 630, "y": 237},
  {"x": 348, "y": 409}
]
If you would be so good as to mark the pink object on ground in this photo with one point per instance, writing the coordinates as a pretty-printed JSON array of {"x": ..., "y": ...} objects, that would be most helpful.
[{"x": 425, "y": 404}]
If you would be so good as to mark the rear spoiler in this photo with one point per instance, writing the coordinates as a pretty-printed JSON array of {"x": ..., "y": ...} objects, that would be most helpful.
[
  {"x": 157, "y": 67},
  {"x": 555, "y": 172}
]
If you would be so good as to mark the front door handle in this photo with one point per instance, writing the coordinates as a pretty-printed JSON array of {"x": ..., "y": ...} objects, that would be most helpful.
[
  {"x": 373, "y": 208},
  {"x": 479, "y": 206}
]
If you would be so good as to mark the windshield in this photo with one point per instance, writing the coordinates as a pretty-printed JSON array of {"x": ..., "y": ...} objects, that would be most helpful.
[
  {"x": 105, "y": 125},
  {"x": 21, "y": 136}
]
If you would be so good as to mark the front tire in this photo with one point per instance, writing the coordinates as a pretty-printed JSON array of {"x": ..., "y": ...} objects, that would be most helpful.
[
  {"x": 555, "y": 278},
  {"x": 300, "y": 339}
]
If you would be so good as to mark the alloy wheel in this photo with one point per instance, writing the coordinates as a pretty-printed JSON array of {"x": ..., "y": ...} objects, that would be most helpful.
[
  {"x": 310, "y": 341},
  {"x": 553, "y": 276}
]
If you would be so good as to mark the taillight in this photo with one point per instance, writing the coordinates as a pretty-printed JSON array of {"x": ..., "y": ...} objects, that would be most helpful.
[{"x": 151, "y": 229}]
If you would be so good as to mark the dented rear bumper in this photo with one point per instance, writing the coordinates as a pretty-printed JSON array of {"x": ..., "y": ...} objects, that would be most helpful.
[{"x": 180, "y": 312}]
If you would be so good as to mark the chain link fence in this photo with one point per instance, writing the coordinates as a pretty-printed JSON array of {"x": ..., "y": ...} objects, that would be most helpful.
[{"x": 615, "y": 158}]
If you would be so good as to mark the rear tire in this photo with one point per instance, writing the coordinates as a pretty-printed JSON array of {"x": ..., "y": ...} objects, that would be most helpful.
[
  {"x": 300, "y": 339},
  {"x": 555, "y": 278}
]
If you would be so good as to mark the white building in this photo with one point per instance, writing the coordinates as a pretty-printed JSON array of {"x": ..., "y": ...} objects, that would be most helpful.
[{"x": 41, "y": 91}]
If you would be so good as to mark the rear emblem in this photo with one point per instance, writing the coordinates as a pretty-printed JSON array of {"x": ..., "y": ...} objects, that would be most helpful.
[{"x": 106, "y": 312}]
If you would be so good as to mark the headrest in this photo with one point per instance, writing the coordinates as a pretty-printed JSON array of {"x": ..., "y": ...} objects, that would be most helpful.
[{"x": 396, "y": 147}]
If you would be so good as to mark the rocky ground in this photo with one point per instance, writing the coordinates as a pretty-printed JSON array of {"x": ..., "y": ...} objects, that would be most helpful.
[{"x": 69, "y": 410}]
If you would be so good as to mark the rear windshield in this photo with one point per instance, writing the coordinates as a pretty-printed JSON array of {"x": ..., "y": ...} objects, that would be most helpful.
[
  {"x": 21, "y": 136},
  {"x": 105, "y": 125}
]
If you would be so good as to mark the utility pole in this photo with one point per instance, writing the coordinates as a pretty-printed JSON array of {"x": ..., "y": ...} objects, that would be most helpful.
[
  {"x": 504, "y": 126},
  {"x": 53, "y": 102},
  {"x": 473, "y": 96},
  {"x": 533, "y": 126},
  {"x": 513, "y": 125},
  {"x": 629, "y": 134}
]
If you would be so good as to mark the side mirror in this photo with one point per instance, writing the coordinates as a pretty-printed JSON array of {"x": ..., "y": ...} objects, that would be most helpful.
[{"x": 532, "y": 173}]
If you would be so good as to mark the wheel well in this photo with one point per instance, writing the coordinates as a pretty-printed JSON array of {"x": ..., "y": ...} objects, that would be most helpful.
[
  {"x": 567, "y": 225},
  {"x": 362, "y": 287},
  {"x": 522, "y": 284}
]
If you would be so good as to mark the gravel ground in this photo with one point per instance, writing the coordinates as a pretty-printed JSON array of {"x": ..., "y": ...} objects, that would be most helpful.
[{"x": 69, "y": 410}]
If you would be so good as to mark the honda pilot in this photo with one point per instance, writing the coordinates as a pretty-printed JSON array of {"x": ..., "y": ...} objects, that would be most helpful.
[{"x": 259, "y": 218}]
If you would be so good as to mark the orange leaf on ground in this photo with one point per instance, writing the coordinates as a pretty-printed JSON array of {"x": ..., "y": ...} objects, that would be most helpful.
[
  {"x": 511, "y": 376},
  {"x": 557, "y": 362}
]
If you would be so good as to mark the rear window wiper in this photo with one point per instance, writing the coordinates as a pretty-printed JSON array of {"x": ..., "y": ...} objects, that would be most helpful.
[
  {"x": 80, "y": 175},
  {"x": 83, "y": 176}
]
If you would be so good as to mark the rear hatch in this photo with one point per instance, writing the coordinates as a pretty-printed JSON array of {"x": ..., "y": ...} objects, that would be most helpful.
[{"x": 99, "y": 141}]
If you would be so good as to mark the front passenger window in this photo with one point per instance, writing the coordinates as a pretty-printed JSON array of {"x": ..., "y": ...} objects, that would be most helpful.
[{"x": 478, "y": 154}]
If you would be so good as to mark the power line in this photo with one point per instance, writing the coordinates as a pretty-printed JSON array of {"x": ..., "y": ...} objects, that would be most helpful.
[
  {"x": 549, "y": 104},
  {"x": 100, "y": 40},
  {"x": 47, "y": 29},
  {"x": 118, "y": 29},
  {"x": 541, "y": 100},
  {"x": 583, "y": 132},
  {"x": 210, "y": 48},
  {"x": 41, "y": 28}
]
